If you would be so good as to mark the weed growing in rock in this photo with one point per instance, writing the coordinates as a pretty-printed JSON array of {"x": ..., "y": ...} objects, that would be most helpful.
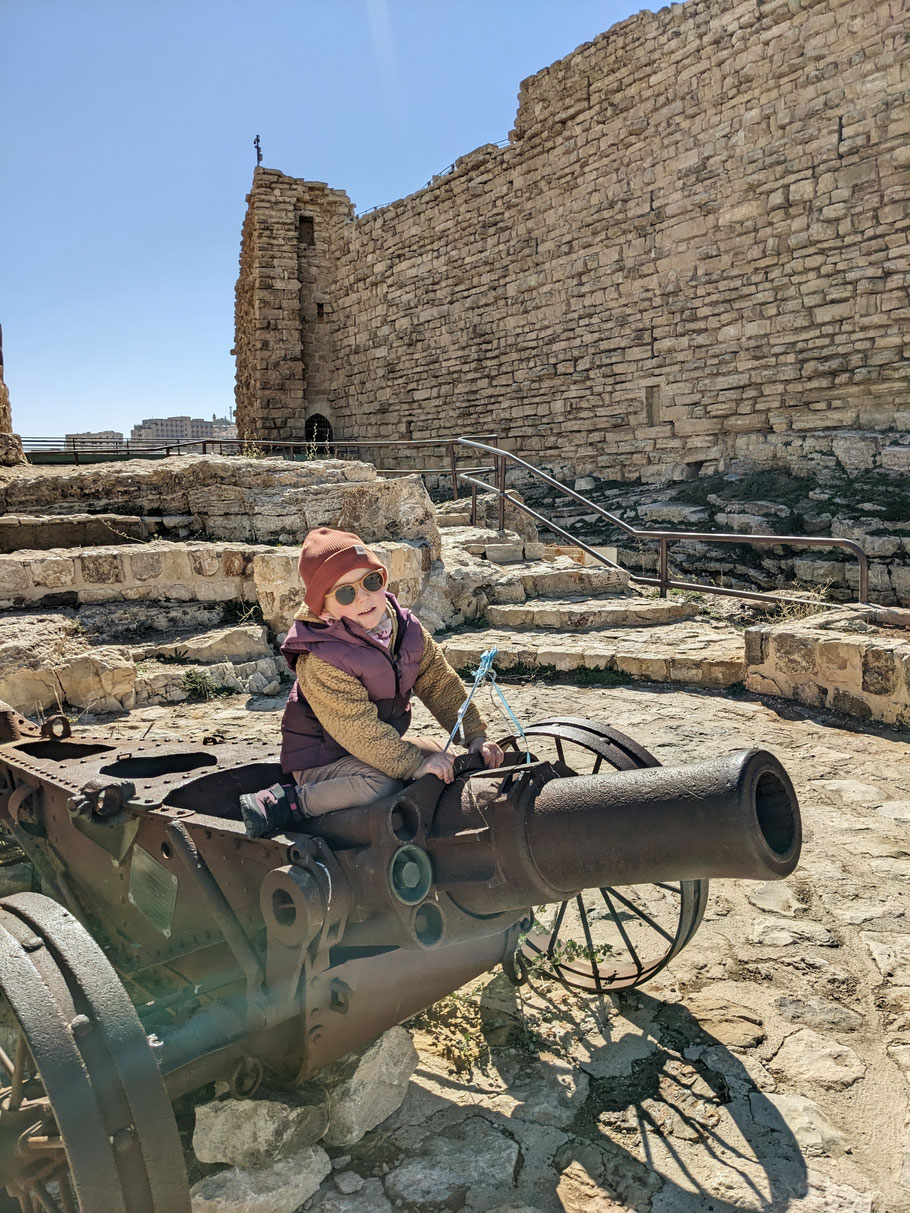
[
  {"x": 199, "y": 685},
  {"x": 250, "y": 450},
  {"x": 241, "y": 612},
  {"x": 178, "y": 657}
]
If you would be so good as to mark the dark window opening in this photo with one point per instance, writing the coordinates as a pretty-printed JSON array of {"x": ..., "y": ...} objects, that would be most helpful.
[
  {"x": 306, "y": 232},
  {"x": 320, "y": 311}
]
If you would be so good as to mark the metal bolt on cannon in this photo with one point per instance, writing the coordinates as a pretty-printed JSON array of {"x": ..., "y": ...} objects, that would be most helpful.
[{"x": 168, "y": 949}]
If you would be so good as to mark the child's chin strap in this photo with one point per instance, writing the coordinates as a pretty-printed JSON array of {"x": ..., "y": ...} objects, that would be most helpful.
[{"x": 486, "y": 673}]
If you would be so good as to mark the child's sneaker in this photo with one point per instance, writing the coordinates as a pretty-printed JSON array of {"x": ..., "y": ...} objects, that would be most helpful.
[{"x": 270, "y": 811}]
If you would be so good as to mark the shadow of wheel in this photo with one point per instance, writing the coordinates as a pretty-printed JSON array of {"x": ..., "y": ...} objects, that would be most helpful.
[{"x": 86, "y": 1125}]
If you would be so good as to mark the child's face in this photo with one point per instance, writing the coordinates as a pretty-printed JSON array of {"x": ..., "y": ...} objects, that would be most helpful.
[{"x": 368, "y": 606}]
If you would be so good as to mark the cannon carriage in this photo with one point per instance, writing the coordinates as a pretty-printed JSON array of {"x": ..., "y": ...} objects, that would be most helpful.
[{"x": 167, "y": 949}]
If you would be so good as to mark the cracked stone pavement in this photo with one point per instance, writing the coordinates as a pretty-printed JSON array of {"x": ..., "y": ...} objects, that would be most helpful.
[{"x": 766, "y": 1069}]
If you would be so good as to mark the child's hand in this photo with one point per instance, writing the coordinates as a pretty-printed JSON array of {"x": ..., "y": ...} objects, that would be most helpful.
[
  {"x": 440, "y": 764},
  {"x": 492, "y": 753}
]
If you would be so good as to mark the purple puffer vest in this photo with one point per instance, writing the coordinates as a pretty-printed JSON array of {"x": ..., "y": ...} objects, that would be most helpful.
[{"x": 388, "y": 676}]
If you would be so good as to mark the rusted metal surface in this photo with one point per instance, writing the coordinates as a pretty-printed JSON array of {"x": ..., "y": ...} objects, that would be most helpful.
[{"x": 245, "y": 957}]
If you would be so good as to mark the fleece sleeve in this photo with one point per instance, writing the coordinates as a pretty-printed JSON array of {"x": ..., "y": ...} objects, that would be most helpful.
[
  {"x": 347, "y": 714},
  {"x": 442, "y": 691}
]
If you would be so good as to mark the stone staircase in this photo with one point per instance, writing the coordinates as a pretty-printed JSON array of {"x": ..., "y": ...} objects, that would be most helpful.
[
  {"x": 546, "y": 610},
  {"x": 116, "y": 656}
]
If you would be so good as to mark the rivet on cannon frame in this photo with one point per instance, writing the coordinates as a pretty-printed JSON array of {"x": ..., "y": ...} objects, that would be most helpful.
[{"x": 81, "y": 1025}]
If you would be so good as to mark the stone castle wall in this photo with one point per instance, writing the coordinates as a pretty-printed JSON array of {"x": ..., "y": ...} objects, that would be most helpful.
[{"x": 693, "y": 249}]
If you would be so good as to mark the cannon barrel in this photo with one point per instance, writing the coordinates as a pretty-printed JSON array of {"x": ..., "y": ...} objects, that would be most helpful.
[{"x": 735, "y": 816}]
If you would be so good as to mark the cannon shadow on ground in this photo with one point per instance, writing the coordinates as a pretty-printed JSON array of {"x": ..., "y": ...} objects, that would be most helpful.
[{"x": 666, "y": 1117}]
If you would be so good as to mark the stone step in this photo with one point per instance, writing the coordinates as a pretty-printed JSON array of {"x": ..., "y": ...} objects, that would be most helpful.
[
  {"x": 703, "y": 653},
  {"x": 560, "y": 578},
  {"x": 588, "y": 614},
  {"x": 50, "y": 663},
  {"x": 450, "y": 520},
  {"x": 242, "y": 642}
]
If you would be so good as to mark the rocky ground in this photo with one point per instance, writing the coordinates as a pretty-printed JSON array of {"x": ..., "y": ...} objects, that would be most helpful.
[{"x": 765, "y": 1070}]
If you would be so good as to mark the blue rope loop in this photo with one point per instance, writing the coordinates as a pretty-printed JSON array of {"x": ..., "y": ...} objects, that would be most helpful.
[{"x": 486, "y": 673}]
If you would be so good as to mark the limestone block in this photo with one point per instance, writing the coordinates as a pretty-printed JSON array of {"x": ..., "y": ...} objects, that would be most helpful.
[
  {"x": 756, "y": 641},
  {"x": 806, "y": 1057},
  {"x": 840, "y": 659},
  {"x": 367, "y": 1087},
  {"x": 53, "y": 572},
  {"x": 896, "y": 458},
  {"x": 213, "y": 589},
  {"x": 144, "y": 565},
  {"x": 857, "y": 452},
  {"x": 792, "y": 652},
  {"x": 203, "y": 561},
  {"x": 234, "y": 644},
  {"x": 891, "y": 953},
  {"x": 472, "y": 1153},
  {"x": 14, "y": 578},
  {"x": 175, "y": 565},
  {"x": 278, "y": 587},
  {"x": 850, "y": 704},
  {"x": 816, "y": 1136},
  {"x": 253, "y": 1132},
  {"x": 879, "y": 675},
  {"x": 102, "y": 680},
  {"x": 504, "y": 553},
  {"x": 101, "y": 567},
  {"x": 726, "y": 1021},
  {"x": 30, "y": 691},
  {"x": 233, "y": 563},
  {"x": 279, "y": 1187}
]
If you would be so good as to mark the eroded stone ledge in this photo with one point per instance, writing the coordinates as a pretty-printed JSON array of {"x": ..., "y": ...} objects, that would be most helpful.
[{"x": 854, "y": 660}]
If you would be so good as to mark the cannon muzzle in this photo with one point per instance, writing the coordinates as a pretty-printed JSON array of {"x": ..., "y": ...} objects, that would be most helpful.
[{"x": 735, "y": 816}]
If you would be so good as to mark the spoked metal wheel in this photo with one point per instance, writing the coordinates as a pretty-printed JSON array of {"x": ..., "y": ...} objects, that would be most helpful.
[
  {"x": 608, "y": 938},
  {"x": 85, "y": 1122}
]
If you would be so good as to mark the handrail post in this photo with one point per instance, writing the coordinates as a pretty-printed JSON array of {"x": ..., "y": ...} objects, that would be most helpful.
[
  {"x": 473, "y": 505},
  {"x": 662, "y": 570},
  {"x": 501, "y": 484},
  {"x": 454, "y": 472},
  {"x": 863, "y": 578}
]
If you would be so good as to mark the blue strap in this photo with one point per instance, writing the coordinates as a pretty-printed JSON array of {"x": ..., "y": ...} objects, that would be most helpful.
[{"x": 483, "y": 673}]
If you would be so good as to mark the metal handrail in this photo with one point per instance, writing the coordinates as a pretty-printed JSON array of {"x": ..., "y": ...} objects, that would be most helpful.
[{"x": 663, "y": 580}]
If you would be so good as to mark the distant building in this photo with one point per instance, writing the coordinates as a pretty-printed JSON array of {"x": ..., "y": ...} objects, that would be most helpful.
[
  {"x": 182, "y": 429},
  {"x": 107, "y": 437}
]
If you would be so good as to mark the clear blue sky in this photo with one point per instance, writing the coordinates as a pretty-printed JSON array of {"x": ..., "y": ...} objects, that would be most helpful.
[{"x": 128, "y": 130}]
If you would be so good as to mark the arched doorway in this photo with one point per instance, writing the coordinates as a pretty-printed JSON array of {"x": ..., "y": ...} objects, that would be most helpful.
[{"x": 317, "y": 430}]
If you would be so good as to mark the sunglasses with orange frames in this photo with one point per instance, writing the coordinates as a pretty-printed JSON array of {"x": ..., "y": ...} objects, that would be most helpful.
[{"x": 345, "y": 594}]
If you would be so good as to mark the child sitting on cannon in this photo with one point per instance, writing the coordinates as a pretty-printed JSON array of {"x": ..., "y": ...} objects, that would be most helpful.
[{"x": 358, "y": 656}]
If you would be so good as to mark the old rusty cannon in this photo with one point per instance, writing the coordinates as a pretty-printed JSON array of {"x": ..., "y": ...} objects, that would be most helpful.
[{"x": 168, "y": 949}]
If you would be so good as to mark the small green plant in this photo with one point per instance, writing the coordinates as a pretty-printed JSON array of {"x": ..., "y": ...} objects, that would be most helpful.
[
  {"x": 178, "y": 657},
  {"x": 241, "y": 612},
  {"x": 199, "y": 685},
  {"x": 250, "y": 450}
]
